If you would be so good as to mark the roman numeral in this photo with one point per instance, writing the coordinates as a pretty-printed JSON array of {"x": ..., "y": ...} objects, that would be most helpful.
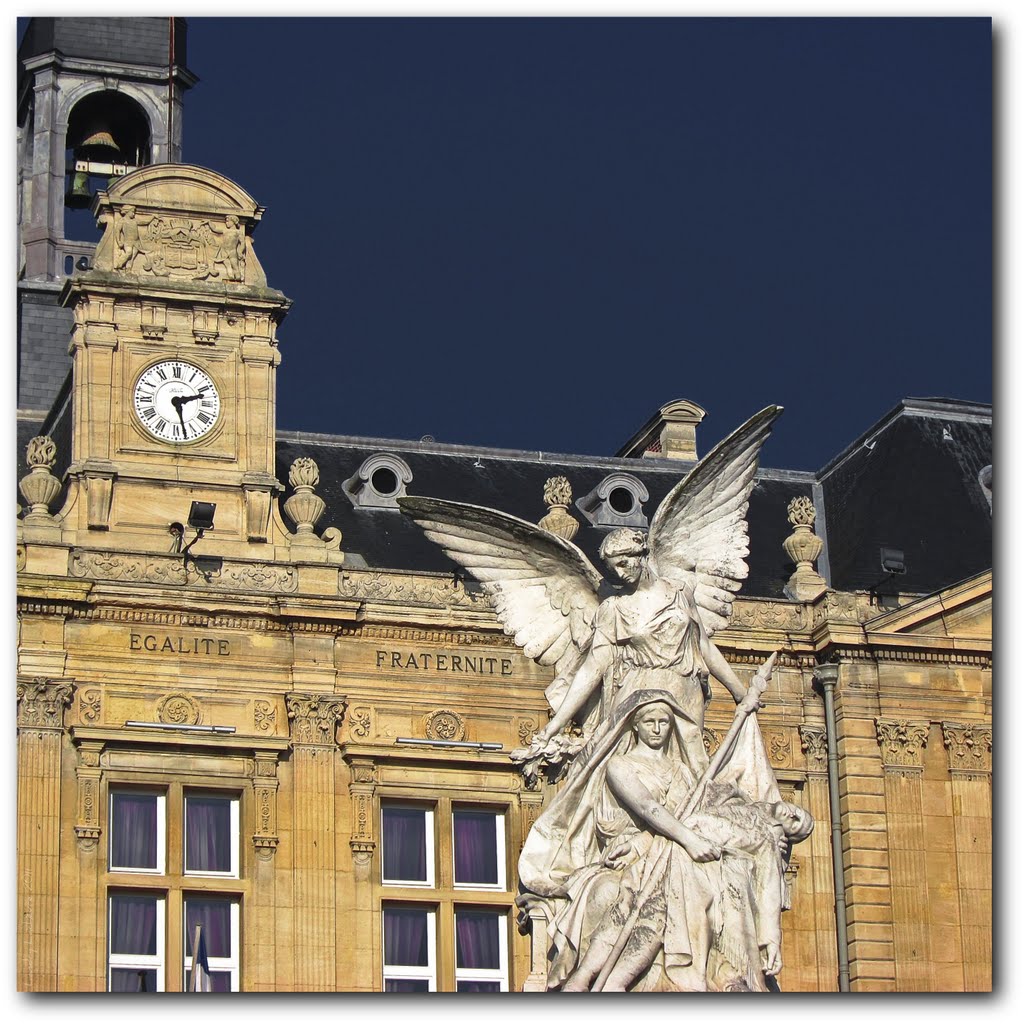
[
  {"x": 177, "y": 371},
  {"x": 203, "y": 417},
  {"x": 207, "y": 403},
  {"x": 144, "y": 397},
  {"x": 160, "y": 373},
  {"x": 149, "y": 413},
  {"x": 176, "y": 429},
  {"x": 161, "y": 425}
]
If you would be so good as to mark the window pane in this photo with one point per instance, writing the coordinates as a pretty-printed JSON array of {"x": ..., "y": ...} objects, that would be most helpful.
[
  {"x": 405, "y": 844},
  {"x": 133, "y": 830},
  {"x": 133, "y": 924},
  {"x": 215, "y": 917},
  {"x": 406, "y": 985},
  {"x": 132, "y": 979},
  {"x": 478, "y": 986},
  {"x": 220, "y": 981},
  {"x": 476, "y": 848},
  {"x": 476, "y": 940},
  {"x": 208, "y": 833},
  {"x": 405, "y": 938}
]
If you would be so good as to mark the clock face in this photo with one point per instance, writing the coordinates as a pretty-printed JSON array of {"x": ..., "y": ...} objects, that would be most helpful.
[{"x": 176, "y": 402}]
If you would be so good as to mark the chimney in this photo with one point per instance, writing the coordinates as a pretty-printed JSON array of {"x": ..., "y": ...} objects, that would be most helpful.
[{"x": 670, "y": 434}]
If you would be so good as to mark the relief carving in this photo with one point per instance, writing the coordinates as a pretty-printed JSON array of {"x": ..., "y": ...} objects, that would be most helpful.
[
  {"x": 89, "y": 705},
  {"x": 968, "y": 747},
  {"x": 41, "y": 704},
  {"x": 314, "y": 717},
  {"x": 902, "y": 742},
  {"x": 814, "y": 746},
  {"x": 264, "y": 783},
  {"x": 264, "y": 716},
  {"x": 379, "y": 586},
  {"x": 359, "y": 722},
  {"x": 444, "y": 725},
  {"x": 178, "y": 709},
  {"x": 779, "y": 749},
  {"x": 362, "y": 842},
  {"x": 712, "y": 739}
]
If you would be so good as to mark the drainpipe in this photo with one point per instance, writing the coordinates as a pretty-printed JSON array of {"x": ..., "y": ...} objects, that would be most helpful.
[{"x": 827, "y": 677}]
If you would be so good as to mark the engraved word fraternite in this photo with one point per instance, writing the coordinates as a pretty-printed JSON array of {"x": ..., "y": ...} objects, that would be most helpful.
[{"x": 655, "y": 868}]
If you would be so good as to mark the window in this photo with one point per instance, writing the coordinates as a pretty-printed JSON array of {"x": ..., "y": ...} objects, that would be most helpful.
[
  {"x": 379, "y": 482},
  {"x": 408, "y": 845},
  {"x": 617, "y": 500},
  {"x": 410, "y": 951},
  {"x": 137, "y": 831},
  {"x": 218, "y": 918},
  {"x": 444, "y": 897},
  {"x": 135, "y": 932},
  {"x": 171, "y": 855},
  {"x": 211, "y": 834},
  {"x": 481, "y": 951}
]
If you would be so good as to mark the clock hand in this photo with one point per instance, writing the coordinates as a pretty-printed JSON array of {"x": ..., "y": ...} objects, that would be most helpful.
[
  {"x": 189, "y": 398},
  {"x": 177, "y": 402}
]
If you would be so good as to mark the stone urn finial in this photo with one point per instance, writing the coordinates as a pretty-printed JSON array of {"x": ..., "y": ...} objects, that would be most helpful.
[
  {"x": 803, "y": 546},
  {"x": 304, "y": 507},
  {"x": 40, "y": 487},
  {"x": 557, "y": 496}
]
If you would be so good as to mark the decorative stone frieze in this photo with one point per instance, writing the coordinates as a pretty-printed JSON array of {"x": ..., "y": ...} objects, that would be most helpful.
[
  {"x": 40, "y": 486},
  {"x": 558, "y": 497},
  {"x": 902, "y": 744},
  {"x": 803, "y": 547},
  {"x": 813, "y": 744},
  {"x": 314, "y": 718},
  {"x": 41, "y": 704},
  {"x": 968, "y": 747},
  {"x": 405, "y": 588},
  {"x": 444, "y": 724},
  {"x": 768, "y": 615}
]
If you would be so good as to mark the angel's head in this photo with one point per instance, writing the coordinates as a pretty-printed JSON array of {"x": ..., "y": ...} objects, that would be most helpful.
[{"x": 625, "y": 554}]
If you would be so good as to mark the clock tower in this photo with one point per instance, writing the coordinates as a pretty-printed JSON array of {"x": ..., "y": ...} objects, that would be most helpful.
[{"x": 175, "y": 354}]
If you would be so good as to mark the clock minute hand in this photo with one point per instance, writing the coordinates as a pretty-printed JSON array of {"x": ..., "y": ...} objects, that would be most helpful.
[
  {"x": 189, "y": 398},
  {"x": 177, "y": 402}
]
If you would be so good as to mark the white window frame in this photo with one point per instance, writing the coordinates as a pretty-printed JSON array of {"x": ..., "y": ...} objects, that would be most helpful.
[
  {"x": 138, "y": 961},
  {"x": 161, "y": 830},
  {"x": 406, "y": 972},
  {"x": 499, "y": 974},
  {"x": 234, "y": 812},
  {"x": 220, "y": 964},
  {"x": 428, "y": 830},
  {"x": 499, "y": 825}
]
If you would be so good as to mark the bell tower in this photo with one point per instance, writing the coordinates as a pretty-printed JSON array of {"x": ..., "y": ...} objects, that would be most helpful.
[{"x": 97, "y": 98}]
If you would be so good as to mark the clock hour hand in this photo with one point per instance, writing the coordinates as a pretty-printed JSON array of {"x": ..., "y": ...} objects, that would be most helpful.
[
  {"x": 188, "y": 398},
  {"x": 177, "y": 401}
]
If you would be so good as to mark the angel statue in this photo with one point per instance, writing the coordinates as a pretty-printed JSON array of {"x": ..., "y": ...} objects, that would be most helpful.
[{"x": 646, "y": 637}]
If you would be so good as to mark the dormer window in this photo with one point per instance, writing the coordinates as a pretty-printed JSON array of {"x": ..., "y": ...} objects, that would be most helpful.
[
  {"x": 617, "y": 500},
  {"x": 379, "y": 482}
]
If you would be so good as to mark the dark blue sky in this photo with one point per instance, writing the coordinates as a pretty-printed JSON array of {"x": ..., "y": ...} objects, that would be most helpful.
[{"x": 530, "y": 233}]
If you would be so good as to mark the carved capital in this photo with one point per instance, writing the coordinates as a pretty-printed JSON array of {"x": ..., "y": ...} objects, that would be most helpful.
[
  {"x": 968, "y": 747},
  {"x": 815, "y": 747},
  {"x": 314, "y": 717},
  {"x": 41, "y": 704},
  {"x": 902, "y": 742}
]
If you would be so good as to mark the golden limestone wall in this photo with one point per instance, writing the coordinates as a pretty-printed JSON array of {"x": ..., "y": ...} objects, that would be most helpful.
[{"x": 318, "y": 698}]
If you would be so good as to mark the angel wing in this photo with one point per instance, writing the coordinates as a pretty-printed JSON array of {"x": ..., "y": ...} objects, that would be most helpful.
[
  {"x": 544, "y": 589},
  {"x": 699, "y": 534}
]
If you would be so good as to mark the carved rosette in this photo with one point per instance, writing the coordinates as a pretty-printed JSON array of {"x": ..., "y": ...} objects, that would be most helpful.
[
  {"x": 40, "y": 487},
  {"x": 41, "y": 704},
  {"x": 179, "y": 709},
  {"x": 557, "y": 496},
  {"x": 264, "y": 785},
  {"x": 813, "y": 744},
  {"x": 968, "y": 748},
  {"x": 304, "y": 507},
  {"x": 362, "y": 842},
  {"x": 314, "y": 717},
  {"x": 902, "y": 744},
  {"x": 444, "y": 725}
]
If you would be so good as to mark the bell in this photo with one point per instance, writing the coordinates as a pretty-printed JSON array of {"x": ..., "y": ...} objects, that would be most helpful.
[
  {"x": 79, "y": 196},
  {"x": 97, "y": 144}
]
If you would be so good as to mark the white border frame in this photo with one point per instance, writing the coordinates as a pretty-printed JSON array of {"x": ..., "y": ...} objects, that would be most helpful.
[
  {"x": 428, "y": 813},
  {"x": 498, "y": 974},
  {"x": 499, "y": 825},
  {"x": 139, "y": 961},
  {"x": 161, "y": 829},
  {"x": 233, "y": 800},
  {"x": 407, "y": 972}
]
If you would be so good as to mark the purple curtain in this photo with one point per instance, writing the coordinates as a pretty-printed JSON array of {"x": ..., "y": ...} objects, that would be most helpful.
[
  {"x": 207, "y": 833},
  {"x": 405, "y": 937},
  {"x": 406, "y": 985},
  {"x": 215, "y": 917},
  {"x": 133, "y": 924},
  {"x": 132, "y": 979},
  {"x": 476, "y": 939},
  {"x": 133, "y": 831},
  {"x": 220, "y": 981},
  {"x": 477, "y": 986},
  {"x": 405, "y": 844},
  {"x": 476, "y": 848}
]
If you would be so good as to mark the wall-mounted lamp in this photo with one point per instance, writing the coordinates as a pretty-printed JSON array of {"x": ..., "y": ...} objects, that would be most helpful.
[{"x": 200, "y": 519}]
